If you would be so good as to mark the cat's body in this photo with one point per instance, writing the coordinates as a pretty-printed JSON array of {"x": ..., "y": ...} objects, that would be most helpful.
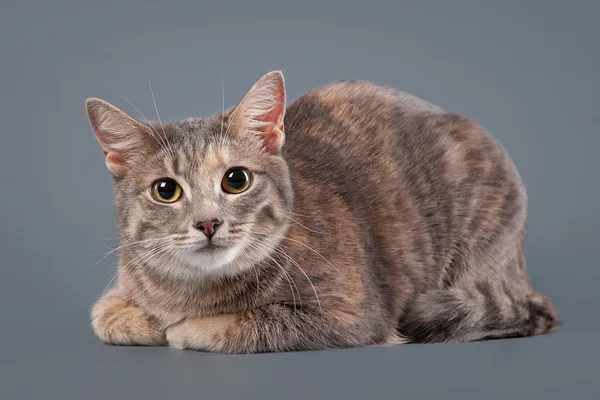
[{"x": 382, "y": 219}]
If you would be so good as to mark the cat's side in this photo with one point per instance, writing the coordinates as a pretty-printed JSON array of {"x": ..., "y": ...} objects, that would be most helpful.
[{"x": 372, "y": 218}]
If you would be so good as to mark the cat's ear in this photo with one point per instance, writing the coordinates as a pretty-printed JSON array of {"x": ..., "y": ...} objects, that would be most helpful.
[
  {"x": 262, "y": 110},
  {"x": 118, "y": 133}
]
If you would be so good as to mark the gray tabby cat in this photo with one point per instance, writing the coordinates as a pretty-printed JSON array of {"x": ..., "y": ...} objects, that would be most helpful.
[{"x": 376, "y": 218}]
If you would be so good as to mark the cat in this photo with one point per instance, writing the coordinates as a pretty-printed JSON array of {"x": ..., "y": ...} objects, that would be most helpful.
[{"x": 366, "y": 216}]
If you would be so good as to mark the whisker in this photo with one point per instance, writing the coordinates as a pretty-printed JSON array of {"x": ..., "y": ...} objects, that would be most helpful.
[
  {"x": 280, "y": 253},
  {"x": 111, "y": 238},
  {"x": 286, "y": 274},
  {"x": 231, "y": 118},
  {"x": 160, "y": 249},
  {"x": 301, "y": 215},
  {"x": 140, "y": 258},
  {"x": 161, "y": 261},
  {"x": 159, "y": 121},
  {"x": 144, "y": 257},
  {"x": 302, "y": 244},
  {"x": 305, "y": 274},
  {"x": 266, "y": 250},
  {"x": 109, "y": 282},
  {"x": 221, "y": 138},
  {"x": 306, "y": 227},
  {"x": 255, "y": 268},
  {"x": 112, "y": 251},
  {"x": 160, "y": 142},
  {"x": 126, "y": 244}
]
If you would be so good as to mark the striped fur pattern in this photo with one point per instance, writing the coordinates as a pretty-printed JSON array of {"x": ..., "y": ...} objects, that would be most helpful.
[{"x": 382, "y": 219}]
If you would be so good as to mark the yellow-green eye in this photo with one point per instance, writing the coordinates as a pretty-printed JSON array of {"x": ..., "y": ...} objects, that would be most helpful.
[
  {"x": 236, "y": 180},
  {"x": 166, "y": 190}
]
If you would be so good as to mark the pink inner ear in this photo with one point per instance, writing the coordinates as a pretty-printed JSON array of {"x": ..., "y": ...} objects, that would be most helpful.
[
  {"x": 273, "y": 133},
  {"x": 273, "y": 130},
  {"x": 272, "y": 140},
  {"x": 114, "y": 158},
  {"x": 273, "y": 118},
  {"x": 116, "y": 164}
]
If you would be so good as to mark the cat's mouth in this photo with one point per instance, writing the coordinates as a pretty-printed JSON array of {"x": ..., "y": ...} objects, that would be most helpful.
[{"x": 210, "y": 247}]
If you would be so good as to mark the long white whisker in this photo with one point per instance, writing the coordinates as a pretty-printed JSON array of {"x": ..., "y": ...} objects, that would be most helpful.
[
  {"x": 146, "y": 256},
  {"x": 306, "y": 227},
  {"x": 159, "y": 120},
  {"x": 286, "y": 274},
  {"x": 280, "y": 251},
  {"x": 231, "y": 118},
  {"x": 221, "y": 138},
  {"x": 254, "y": 266},
  {"x": 169, "y": 256},
  {"x": 157, "y": 137},
  {"x": 126, "y": 244},
  {"x": 302, "y": 244},
  {"x": 143, "y": 255},
  {"x": 111, "y": 251},
  {"x": 311, "y": 284},
  {"x": 301, "y": 215},
  {"x": 109, "y": 282}
]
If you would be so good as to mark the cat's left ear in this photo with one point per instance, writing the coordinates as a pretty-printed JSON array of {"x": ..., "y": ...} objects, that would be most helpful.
[{"x": 262, "y": 110}]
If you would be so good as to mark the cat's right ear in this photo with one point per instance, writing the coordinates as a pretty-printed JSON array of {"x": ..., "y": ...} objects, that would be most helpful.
[{"x": 118, "y": 133}]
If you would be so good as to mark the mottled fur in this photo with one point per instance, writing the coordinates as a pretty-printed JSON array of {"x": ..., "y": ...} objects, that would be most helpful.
[{"x": 381, "y": 219}]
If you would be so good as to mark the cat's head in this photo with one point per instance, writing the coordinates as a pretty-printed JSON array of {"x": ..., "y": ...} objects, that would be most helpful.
[{"x": 204, "y": 196}]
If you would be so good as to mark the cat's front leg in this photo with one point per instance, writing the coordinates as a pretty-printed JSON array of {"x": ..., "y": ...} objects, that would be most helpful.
[
  {"x": 274, "y": 327},
  {"x": 116, "y": 321}
]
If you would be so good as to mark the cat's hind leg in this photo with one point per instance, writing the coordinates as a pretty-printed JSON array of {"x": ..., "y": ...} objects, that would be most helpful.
[{"x": 478, "y": 310}]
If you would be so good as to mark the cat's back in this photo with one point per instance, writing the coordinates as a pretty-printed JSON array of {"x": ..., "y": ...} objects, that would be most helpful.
[
  {"x": 364, "y": 127},
  {"x": 352, "y": 106},
  {"x": 369, "y": 95},
  {"x": 354, "y": 125},
  {"x": 384, "y": 153}
]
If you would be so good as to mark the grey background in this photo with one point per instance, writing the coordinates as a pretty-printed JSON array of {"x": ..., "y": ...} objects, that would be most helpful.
[{"x": 526, "y": 70}]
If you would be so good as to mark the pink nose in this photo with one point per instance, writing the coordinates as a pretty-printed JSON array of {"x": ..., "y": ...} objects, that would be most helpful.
[{"x": 208, "y": 227}]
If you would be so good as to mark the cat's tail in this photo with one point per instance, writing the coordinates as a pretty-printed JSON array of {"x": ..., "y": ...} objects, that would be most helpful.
[{"x": 485, "y": 312}]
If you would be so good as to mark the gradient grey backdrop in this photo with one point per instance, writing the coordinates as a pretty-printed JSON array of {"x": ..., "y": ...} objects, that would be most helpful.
[{"x": 526, "y": 70}]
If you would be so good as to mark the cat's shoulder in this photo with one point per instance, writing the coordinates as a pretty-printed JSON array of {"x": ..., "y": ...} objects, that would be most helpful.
[{"x": 357, "y": 92}]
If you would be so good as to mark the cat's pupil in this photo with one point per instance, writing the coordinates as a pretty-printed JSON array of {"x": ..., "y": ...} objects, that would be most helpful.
[
  {"x": 237, "y": 179},
  {"x": 167, "y": 189}
]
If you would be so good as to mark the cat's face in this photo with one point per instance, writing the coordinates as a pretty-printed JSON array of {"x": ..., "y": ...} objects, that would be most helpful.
[{"x": 203, "y": 197}]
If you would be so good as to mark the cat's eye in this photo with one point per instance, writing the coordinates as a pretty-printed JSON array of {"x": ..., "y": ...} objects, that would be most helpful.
[
  {"x": 236, "y": 180},
  {"x": 166, "y": 190}
]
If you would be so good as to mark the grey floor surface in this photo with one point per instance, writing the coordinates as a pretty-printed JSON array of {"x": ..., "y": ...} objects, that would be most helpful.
[{"x": 526, "y": 70}]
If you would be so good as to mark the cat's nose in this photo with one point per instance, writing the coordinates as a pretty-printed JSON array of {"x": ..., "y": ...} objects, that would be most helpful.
[{"x": 208, "y": 227}]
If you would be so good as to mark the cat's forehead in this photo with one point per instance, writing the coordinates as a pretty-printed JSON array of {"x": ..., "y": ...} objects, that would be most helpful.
[
  {"x": 195, "y": 132},
  {"x": 199, "y": 147},
  {"x": 196, "y": 144},
  {"x": 193, "y": 124}
]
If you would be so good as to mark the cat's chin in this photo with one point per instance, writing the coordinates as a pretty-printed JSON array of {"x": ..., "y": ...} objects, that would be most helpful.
[{"x": 214, "y": 260}]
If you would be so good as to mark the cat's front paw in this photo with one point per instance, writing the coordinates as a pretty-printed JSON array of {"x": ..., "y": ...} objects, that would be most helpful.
[
  {"x": 117, "y": 322},
  {"x": 209, "y": 334},
  {"x": 176, "y": 334}
]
